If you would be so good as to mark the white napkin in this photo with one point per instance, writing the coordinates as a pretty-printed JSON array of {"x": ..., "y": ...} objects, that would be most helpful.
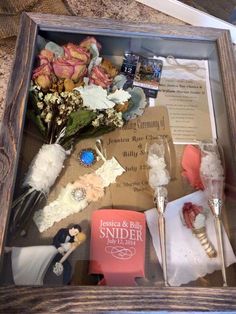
[{"x": 186, "y": 258}]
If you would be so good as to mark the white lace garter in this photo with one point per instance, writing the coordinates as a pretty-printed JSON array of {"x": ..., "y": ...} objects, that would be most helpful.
[{"x": 76, "y": 196}]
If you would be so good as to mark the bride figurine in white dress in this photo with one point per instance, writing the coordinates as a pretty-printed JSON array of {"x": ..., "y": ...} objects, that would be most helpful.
[{"x": 30, "y": 264}]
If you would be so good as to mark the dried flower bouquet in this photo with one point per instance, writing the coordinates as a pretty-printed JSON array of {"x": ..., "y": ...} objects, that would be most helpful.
[{"x": 74, "y": 94}]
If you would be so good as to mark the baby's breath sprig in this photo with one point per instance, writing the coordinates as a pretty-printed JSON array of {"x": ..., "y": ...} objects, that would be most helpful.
[{"x": 54, "y": 109}]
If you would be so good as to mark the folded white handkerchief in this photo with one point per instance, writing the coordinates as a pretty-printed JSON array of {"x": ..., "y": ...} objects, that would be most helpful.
[{"x": 186, "y": 258}]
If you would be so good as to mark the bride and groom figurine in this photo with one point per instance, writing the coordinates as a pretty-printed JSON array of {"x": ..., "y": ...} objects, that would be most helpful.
[
  {"x": 30, "y": 264},
  {"x": 62, "y": 241}
]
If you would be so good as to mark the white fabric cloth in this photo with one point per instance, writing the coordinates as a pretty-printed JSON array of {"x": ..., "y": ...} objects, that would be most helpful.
[
  {"x": 45, "y": 167},
  {"x": 29, "y": 264},
  {"x": 186, "y": 258}
]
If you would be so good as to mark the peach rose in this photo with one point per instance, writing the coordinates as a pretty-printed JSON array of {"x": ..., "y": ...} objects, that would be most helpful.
[
  {"x": 42, "y": 74},
  {"x": 74, "y": 51},
  {"x": 45, "y": 56},
  {"x": 72, "y": 69},
  {"x": 87, "y": 42},
  {"x": 93, "y": 186},
  {"x": 98, "y": 76}
]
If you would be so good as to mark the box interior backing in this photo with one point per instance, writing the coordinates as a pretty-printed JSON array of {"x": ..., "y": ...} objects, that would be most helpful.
[{"x": 114, "y": 47}]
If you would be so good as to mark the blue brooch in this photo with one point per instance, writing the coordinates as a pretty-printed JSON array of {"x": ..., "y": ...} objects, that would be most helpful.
[{"x": 87, "y": 157}]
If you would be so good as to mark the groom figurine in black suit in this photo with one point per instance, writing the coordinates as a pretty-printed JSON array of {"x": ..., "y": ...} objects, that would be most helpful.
[{"x": 63, "y": 236}]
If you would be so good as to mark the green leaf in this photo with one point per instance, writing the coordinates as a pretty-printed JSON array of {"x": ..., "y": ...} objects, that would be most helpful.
[
  {"x": 77, "y": 120},
  {"x": 94, "y": 132},
  {"x": 33, "y": 99},
  {"x": 88, "y": 132},
  {"x": 37, "y": 121}
]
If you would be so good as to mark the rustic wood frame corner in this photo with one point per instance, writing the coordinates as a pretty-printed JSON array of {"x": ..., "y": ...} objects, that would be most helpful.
[{"x": 92, "y": 298}]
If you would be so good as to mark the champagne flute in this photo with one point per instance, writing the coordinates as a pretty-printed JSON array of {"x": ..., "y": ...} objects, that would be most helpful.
[
  {"x": 213, "y": 178},
  {"x": 159, "y": 177}
]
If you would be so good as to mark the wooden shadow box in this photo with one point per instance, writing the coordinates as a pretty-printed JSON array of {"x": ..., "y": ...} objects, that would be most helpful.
[{"x": 16, "y": 140}]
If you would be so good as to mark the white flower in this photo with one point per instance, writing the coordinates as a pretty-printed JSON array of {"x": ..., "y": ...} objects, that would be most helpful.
[
  {"x": 154, "y": 162},
  {"x": 47, "y": 97},
  {"x": 95, "y": 97},
  {"x": 114, "y": 117},
  {"x": 200, "y": 221},
  {"x": 158, "y": 178},
  {"x": 40, "y": 94},
  {"x": 120, "y": 96},
  {"x": 98, "y": 119},
  {"x": 211, "y": 166},
  {"x": 48, "y": 117},
  {"x": 158, "y": 174},
  {"x": 54, "y": 98},
  {"x": 40, "y": 104}
]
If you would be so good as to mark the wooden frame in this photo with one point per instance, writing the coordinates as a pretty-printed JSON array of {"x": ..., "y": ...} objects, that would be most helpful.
[{"x": 91, "y": 299}]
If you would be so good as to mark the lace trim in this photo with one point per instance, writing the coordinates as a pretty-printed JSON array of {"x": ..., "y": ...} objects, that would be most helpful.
[
  {"x": 109, "y": 171},
  {"x": 76, "y": 196}
]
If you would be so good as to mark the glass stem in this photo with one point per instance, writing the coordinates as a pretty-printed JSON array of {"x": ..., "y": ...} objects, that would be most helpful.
[
  {"x": 160, "y": 204},
  {"x": 218, "y": 228}
]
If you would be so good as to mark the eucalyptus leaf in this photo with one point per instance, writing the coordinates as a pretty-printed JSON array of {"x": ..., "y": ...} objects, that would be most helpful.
[
  {"x": 137, "y": 104},
  {"x": 119, "y": 81},
  {"x": 56, "y": 49},
  {"x": 77, "y": 120}
]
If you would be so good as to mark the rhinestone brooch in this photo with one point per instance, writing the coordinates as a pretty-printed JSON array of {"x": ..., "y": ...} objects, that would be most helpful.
[{"x": 79, "y": 194}]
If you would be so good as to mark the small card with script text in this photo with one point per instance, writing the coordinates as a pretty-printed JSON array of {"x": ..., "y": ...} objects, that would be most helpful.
[{"x": 117, "y": 247}]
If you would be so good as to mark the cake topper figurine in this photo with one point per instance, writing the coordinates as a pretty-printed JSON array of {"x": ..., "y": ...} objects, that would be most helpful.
[
  {"x": 158, "y": 179},
  {"x": 212, "y": 176},
  {"x": 59, "y": 267},
  {"x": 194, "y": 218}
]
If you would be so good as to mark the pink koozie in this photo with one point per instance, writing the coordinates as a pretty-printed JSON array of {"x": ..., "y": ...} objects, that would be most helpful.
[{"x": 117, "y": 247}]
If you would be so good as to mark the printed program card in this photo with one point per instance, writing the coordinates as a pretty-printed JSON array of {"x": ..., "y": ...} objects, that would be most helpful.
[{"x": 185, "y": 91}]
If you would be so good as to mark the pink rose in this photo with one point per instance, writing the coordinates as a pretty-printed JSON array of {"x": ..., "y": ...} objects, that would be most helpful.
[
  {"x": 42, "y": 75},
  {"x": 44, "y": 69},
  {"x": 87, "y": 42},
  {"x": 72, "y": 69},
  {"x": 98, "y": 76},
  {"x": 190, "y": 212},
  {"x": 74, "y": 51},
  {"x": 45, "y": 56}
]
